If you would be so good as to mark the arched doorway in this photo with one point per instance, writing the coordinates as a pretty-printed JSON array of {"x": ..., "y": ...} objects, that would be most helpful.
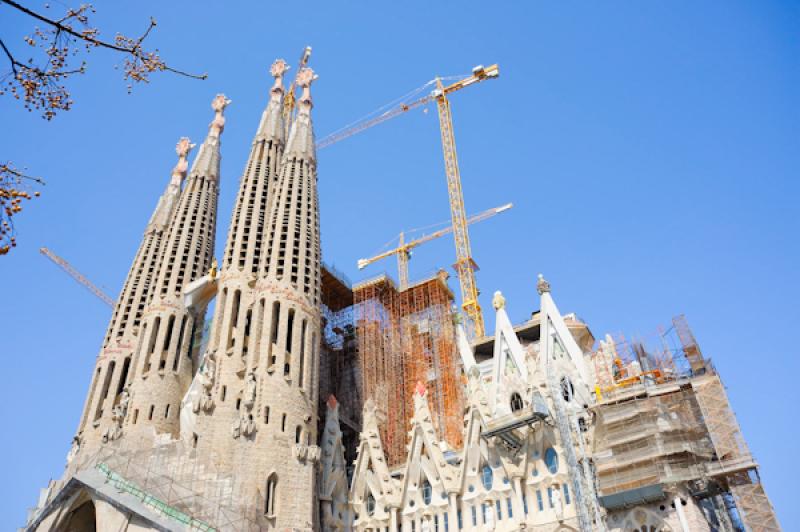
[{"x": 81, "y": 519}]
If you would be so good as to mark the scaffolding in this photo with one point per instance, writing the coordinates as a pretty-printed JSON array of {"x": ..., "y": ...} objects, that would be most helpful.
[
  {"x": 173, "y": 481},
  {"x": 339, "y": 372},
  {"x": 663, "y": 419},
  {"x": 405, "y": 337}
]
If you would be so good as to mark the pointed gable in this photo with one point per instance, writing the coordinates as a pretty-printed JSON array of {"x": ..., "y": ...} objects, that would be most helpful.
[
  {"x": 332, "y": 460},
  {"x": 510, "y": 373},
  {"x": 554, "y": 326},
  {"x": 426, "y": 460},
  {"x": 371, "y": 471}
]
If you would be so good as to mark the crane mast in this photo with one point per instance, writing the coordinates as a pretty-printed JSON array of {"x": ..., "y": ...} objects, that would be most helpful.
[
  {"x": 465, "y": 265},
  {"x": 75, "y": 274},
  {"x": 289, "y": 100}
]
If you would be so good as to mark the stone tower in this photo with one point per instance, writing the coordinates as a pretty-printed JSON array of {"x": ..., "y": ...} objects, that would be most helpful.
[
  {"x": 112, "y": 370},
  {"x": 259, "y": 415},
  {"x": 162, "y": 365}
]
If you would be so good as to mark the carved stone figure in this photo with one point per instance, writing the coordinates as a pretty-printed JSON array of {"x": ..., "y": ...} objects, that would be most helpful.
[
  {"x": 207, "y": 373},
  {"x": 122, "y": 407},
  {"x": 248, "y": 425},
  {"x": 250, "y": 390},
  {"x": 206, "y": 378},
  {"x": 74, "y": 449}
]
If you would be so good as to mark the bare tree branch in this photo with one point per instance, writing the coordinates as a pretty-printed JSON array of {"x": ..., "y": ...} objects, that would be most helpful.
[
  {"x": 13, "y": 189},
  {"x": 135, "y": 50},
  {"x": 42, "y": 87}
]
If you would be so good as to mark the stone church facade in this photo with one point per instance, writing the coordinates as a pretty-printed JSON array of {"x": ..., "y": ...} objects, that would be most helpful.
[{"x": 226, "y": 430}]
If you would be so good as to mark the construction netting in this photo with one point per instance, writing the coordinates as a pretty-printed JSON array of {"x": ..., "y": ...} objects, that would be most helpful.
[
  {"x": 172, "y": 480},
  {"x": 663, "y": 417},
  {"x": 339, "y": 373},
  {"x": 649, "y": 441},
  {"x": 405, "y": 337}
]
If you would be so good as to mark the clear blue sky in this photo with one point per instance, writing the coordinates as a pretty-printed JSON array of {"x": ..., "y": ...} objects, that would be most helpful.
[{"x": 650, "y": 149}]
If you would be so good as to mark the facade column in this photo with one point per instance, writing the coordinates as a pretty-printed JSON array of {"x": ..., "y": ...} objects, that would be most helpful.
[
  {"x": 392, "y": 519},
  {"x": 452, "y": 510},
  {"x": 466, "y": 512},
  {"x": 516, "y": 500}
]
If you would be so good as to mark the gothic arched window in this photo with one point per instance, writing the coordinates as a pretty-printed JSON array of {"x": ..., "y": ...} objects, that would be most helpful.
[
  {"x": 370, "y": 504},
  {"x": 427, "y": 491},
  {"x": 487, "y": 477},
  {"x": 272, "y": 495},
  {"x": 551, "y": 460}
]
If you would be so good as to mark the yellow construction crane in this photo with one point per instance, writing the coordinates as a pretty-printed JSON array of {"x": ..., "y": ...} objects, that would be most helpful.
[
  {"x": 465, "y": 266},
  {"x": 403, "y": 250},
  {"x": 75, "y": 274},
  {"x": 289, "y": 100}
]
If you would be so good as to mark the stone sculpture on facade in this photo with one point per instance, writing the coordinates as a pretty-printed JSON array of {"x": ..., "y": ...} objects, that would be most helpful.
[
  {"x": 206, "y": 378},
  {"x": 250, "y": 386}
]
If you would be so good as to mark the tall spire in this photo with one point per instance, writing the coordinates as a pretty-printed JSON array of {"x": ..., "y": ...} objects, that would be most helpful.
[
  {"x": 266, "y": 331},
  {"x": 112, "y": 369},
  {"x": 271, "y": 126},
  {"x": 301, "y": 135},
  {"x": 243, "y": 247},
  {"x": 163, "y": 365},
  {"x": 166, "y": 204},
  {"x": 207, "y": 161},
  {"x": 300, "y": 253},
  {"x": 136, "y": 290}
]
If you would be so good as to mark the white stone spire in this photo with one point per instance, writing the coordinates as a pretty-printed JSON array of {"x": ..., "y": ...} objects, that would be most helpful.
[
  {"x": 207, "y": 161},
  {"x": 166, "y": 204},
  {"x": 243, "y": 251},
  {"x": 301, "y": 136},
  {"x": 271, "y": 126}
]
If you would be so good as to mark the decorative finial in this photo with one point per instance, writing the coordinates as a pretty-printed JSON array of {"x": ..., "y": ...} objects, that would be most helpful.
[
  {"x": 277, "y": 70},
  {"x": 542, "y": 285},
  {"x": 218, "y": 104},
  {"x": 498, "y": 301},
  {"x": 420, "y": 388},
  {"x": 183, "y": 148},
  {"x": 212, "y": 272},
  {"x": 304, "y": 79},
  {"x": 332, "y": 402}
]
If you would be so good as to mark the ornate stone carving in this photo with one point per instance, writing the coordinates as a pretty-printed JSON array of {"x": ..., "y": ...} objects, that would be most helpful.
[
  {"x": 218, "y": 124},
  {"x": 498, "y": 301},
  {"x": 250, "y": 386},
  {"x": 206, "y": 378},
  {"x": 212, "y": 272},
  {"x": 183, "y": 148},
  {"x": 306, "y": 453},
  {"x": 278, "y": 69},
  {"x": 542, "y": 285},
  {"x": 74, "y": 449},
  {"x": 304, "y": 79},
  {"x": 244, "y": 426},
  {"x": 114, "y": 431}
]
